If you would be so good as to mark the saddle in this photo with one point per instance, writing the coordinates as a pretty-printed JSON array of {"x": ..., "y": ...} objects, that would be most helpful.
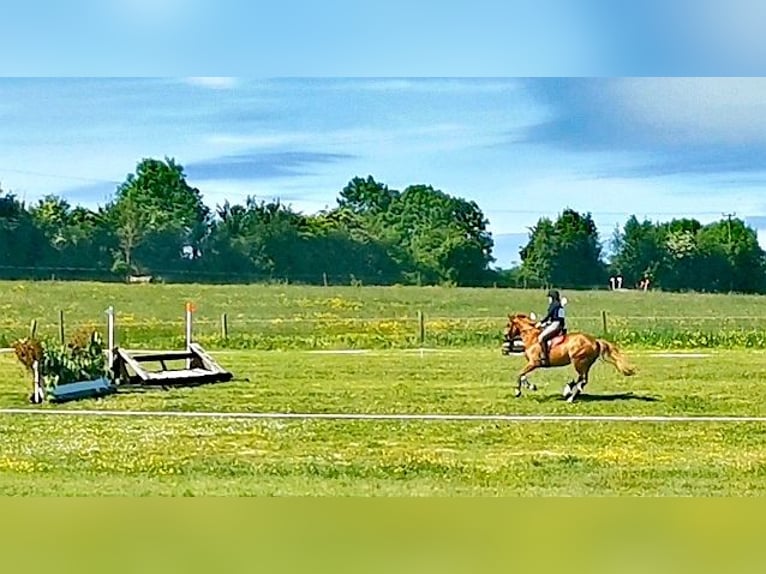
[
  {"x": 552, "y": 344},
  {"x": 557, "y": 340}
]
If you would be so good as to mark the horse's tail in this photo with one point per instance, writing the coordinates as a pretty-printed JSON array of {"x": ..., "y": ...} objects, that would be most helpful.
[{"x": 612, "y": 355}]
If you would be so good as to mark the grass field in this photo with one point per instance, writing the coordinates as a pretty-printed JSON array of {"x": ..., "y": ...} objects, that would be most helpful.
[
  {"x": 86, "y": 455},
  {"x": 295, "y": 317},
  {"x": 463, "y": 373}
]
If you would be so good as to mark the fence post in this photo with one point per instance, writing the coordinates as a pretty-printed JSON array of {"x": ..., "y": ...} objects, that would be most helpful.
[
  {"x": 189, "y": 311},
  {"x": 421, "y": 328},
  {"x": 224, "y": 326},
  {"x": 111, "y": 340},
  {"x": 603, "y": 322},
  {"x": 62, "y": 335},
  {"x": 38, "y": 392},
  {"x": 33, "y": 329},
  {"x": 324, "y": 278}
]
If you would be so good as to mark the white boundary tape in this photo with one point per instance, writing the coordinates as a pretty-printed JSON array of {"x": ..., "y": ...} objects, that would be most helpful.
[
  {"x": 680, "y": 355},
  {"x": 339, "y": 352},
  {"x": 390, "y": 417}
]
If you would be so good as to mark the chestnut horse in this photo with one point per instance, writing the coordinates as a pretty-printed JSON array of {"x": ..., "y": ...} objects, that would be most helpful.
[{"x": 578, "y": 349}]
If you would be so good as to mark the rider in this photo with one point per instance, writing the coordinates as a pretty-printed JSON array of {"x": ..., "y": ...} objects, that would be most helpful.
[{"x": 553, "y": 323}]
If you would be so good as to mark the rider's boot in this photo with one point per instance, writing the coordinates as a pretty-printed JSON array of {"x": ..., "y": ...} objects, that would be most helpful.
[{"x": 544, "y": 355}]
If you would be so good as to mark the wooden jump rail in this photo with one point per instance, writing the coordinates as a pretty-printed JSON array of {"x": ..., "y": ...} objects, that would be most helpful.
[{"x": 128, "y": 367}]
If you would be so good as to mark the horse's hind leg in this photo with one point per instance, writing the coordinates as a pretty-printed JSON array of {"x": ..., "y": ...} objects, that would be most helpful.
[
  {"x": 575, "y": 389},
  {"x": 582, "y": 368},
  {"x": 575, "y": 385}
]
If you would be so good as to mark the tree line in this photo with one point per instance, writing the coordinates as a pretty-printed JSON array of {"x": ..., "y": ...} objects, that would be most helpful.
[
  {"x": 158, "y": 225},
  {"x": 679, "y": 255}
]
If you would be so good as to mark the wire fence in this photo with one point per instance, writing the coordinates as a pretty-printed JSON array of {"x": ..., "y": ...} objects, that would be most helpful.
[
  {"x": 198, "y": 275},
  {"x": 395, "y": 331},
  {"x": 419, "y": 324},
  {"x": 147, "y": 322}
]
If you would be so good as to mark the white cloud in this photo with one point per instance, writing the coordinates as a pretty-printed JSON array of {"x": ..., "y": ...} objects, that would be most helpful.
[
  {"x": 703, "y": 110},
  {"x": 258, "y": 141},
  {"x": 213, "y": 82},
  {"x": 435, "y": 137},
  {"x": 427, "y": 85},
  {"x": 297, "y": 192}
]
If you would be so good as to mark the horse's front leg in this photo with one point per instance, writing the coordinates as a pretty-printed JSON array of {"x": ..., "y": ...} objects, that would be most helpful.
[{"x": 522, "y": 379}]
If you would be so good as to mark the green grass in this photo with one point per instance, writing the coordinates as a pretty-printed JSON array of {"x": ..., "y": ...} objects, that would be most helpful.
[
  {"x": 86, "y": 455},
  {"x": 164, "y": 456},
  {"x": 285, "y": 317}
]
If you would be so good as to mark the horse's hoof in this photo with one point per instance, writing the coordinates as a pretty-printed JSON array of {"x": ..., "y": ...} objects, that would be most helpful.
[
  {"x": 567, "y": 390},
  {"x": 532, "y": 387},
  {"x": 517, "y": 394},
  {"x": 576, "y": 390}
]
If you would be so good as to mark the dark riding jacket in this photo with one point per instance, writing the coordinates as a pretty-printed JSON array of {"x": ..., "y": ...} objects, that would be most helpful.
[{"x": 555, "y": 314}]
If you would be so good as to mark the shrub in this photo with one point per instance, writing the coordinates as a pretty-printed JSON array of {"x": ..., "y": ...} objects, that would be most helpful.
[{"x": 83, "y": 358}]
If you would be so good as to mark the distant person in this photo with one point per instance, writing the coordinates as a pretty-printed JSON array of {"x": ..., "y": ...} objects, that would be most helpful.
[
  {"x": 554, "y": 323},
  {"x": 644, "y": 283}
]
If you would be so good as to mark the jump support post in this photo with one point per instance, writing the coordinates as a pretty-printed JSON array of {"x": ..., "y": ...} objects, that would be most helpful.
[
  {"x": 38, "y": 392},
  {"x": 129, "y": 367}
]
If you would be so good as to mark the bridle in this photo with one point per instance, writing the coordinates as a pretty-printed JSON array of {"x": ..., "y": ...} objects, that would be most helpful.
[{"x": 509, "y": 337}]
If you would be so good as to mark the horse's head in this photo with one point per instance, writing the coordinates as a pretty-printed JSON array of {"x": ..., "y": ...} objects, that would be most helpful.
[{"x": 513, "y": 330}]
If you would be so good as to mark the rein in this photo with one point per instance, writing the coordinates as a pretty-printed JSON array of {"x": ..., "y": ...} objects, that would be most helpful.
[{"x": 527, "y": 330}]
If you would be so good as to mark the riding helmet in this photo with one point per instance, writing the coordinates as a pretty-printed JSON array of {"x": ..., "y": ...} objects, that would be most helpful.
[{"x": 554, "y": 294}]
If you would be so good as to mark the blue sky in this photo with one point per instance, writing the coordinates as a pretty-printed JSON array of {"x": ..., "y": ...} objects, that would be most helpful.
[
  {"x": 391, "y": 38},
  {"x": 521, "y": 148}
]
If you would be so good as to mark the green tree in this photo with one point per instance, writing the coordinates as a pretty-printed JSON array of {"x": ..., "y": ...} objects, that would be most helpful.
[
  {"x": 684, "y": 254},
  {"x": 52, "y": 215},
  {"x": 366, "y": 196},
  {"x": 22, "y": 244},
  {"x": 226, "y": 249},
  {"x": 539, "y": 255},
  {"x": 639, "y": 250},
  {"x": 578, "y": 251},
  {"x": 156, "y": 201},
  {"x": 566, "y": 252},
  {"x": 80, "y": 239},
  {"x": 267, "y": 239},
  {"x": 686, "y": 262},
  {"x": 736, "y": 260},
  {"x": 442, "y": 238},
  {"x": 347, "y": 248}
]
